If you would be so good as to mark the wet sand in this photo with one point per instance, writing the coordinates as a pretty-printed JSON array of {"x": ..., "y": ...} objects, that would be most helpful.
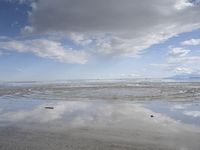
[
  {"x": 107, "y": 124},
  {"x": 51, "y": 141},
  {"x": 103, "y": 90},
  {"x": 18, "y": 139}
]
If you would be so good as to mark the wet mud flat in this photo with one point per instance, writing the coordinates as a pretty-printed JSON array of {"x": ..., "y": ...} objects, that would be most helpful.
[
  {"x": 34, "y": 139},
  {"x": 103, "y": 90},
  {"x": 93, "y": 119}
]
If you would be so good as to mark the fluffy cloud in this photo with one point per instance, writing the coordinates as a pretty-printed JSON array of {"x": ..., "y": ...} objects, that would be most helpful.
[
  {"x": 46, "y": 49},
  {"x": 183, "y": 70},
  {"x": 106, "y": 27},
  {"x": 192, "y": 42},
  {"x": 115, "y": 27},
  {"x": 111, "y": 15},
  {"x": 180, "y": 56},
  {"x": 180, "y": 60},
  {"x": 178, "y": 52},
  {"x": 80, "y": 39},
  {"x": 182, "y": 4},
  {"x": 27, "y": 30}
]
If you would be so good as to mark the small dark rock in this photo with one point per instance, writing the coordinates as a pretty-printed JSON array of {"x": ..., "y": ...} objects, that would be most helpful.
[
  {"x": 152, "y": 116},
  {"x": 49, "y": 107}
]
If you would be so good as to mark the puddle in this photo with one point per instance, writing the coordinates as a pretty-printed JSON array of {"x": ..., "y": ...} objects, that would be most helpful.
[
  {"x": 100, "y": 113},
  {"x": 165, "y": 124},
  {"x": 97, "y": 113},
  {"x": 188, "y": 113}
]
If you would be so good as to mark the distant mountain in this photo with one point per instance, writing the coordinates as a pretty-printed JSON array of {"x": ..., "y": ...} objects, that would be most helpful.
[{"x": 185, "y": 77}]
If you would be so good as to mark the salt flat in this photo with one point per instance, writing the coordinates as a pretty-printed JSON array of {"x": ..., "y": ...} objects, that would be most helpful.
[{"x": 100, "y": 115}]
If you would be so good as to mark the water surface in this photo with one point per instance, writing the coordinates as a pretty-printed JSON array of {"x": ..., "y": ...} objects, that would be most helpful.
[{"x": 100, "y": 115}]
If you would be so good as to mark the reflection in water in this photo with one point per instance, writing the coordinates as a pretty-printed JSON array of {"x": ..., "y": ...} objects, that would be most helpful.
[
  {"x": 80, "y": 119},
  {"x": 185, "y": 112},
  {"x": 102, "y": 113},
  {"x": 124, "y": 121}
]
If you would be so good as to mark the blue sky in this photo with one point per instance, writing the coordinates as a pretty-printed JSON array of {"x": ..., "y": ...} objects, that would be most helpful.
[{"x": 56, "y": 40}]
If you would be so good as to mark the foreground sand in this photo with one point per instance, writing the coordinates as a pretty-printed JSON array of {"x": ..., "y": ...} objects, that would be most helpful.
[
  {"x": 15, "y": 139},
  {"x": 19, "y": 139}
]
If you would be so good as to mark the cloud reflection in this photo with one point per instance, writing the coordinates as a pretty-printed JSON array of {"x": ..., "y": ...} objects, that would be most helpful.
[
  {"x": 91, "y": 113},
  {"x": 40, "y": 114},
  {"x": 192, "y": 113},
  {"x": 123, "y": 120}
]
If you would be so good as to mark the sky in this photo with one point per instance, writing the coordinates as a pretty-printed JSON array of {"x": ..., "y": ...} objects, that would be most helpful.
[{"x": 98, "y": 39}]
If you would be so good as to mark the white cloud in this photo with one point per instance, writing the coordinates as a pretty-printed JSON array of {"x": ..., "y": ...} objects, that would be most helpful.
[
  {"x": 186, "y": 60},
  {"x": 182, "y": 4},
  {"x": 80, "y": 39},
  {"x": 27, "y": 30},
  {"x": 183, "y": 70},
  {"x": 115, "y": 27},
  {"x": 192, "y": 113},
  {"x": 46, "y": 49},
  {"x": 191, "y": 42},
  {"x": 178, "y": 52},
  {"x": 179, "y": 61}
]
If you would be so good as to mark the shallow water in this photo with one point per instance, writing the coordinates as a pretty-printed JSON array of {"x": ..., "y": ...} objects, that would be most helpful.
[
  {"x": 96, "y": 111},
  {"x": 123, "y": 121}
]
